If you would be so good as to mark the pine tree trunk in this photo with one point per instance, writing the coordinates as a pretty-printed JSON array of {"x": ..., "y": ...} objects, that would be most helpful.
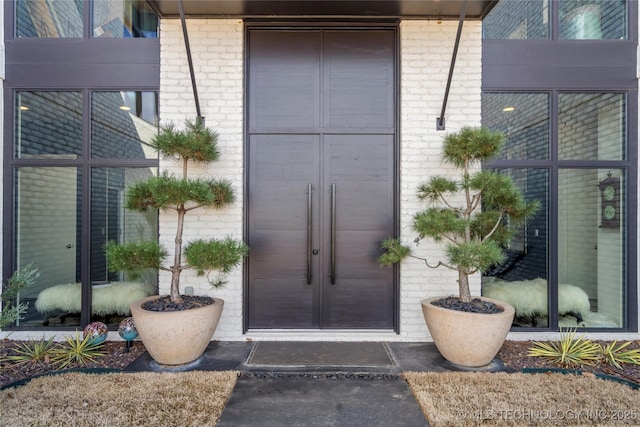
[
  {"x": 177, "y": 258},
  {"x": 463, "y": 286}
]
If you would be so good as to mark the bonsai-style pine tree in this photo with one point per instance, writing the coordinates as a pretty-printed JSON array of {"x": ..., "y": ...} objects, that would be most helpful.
[
  {"x": 195, "y": 144},
  {"x": 475, "y": 216}
]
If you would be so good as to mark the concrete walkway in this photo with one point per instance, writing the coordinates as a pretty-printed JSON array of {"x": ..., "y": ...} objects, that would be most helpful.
[{"x": 318, "y": 384}]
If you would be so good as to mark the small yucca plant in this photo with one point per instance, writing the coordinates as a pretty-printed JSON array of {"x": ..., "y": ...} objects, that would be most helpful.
[
  {"x": 569, "y": 350},
  {"x": 33, "y": 351},
  {"x": 615, "y": 354},
  {"x": 77, "y": 350}
]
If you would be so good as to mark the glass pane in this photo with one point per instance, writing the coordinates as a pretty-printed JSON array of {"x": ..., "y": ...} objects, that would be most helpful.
[
  {"x": 526, "y": 267},
  {"x": 122, "y": 124},
  {"x": 524, "y": 119},
  {"x": 593, "y": 19},
  {"x": 49, "y": 18},
  {"x": 517, "y": 19},
  {"x": 591, "y": 218},
  {"x": 48, "y": 125},
  {"x": 124, "y": 18},
  {"x": 47, "y": 225},
  {"x": 591, "y": 126},
  {"x": 113, "y": 292}
]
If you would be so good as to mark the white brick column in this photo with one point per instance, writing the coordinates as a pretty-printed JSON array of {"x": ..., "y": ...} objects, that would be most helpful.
[
  {"x": 217, "y": 51},
  {"x": 426, "y": 49}
]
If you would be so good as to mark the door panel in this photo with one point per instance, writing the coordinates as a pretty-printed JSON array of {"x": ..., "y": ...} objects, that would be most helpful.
[
  {"x": 282, "y": 167},
  {"x": 361, "y": 168},
  {"x": 285, "y": 80},
  {"x": 322, "y": 113},
  {"x": 358, "y": 80}
]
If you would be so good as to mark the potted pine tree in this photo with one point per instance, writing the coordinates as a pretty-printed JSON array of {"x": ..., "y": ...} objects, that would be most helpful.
[
  {"x": 177, "y": 328},
  {"x": 475, "y": 216}
]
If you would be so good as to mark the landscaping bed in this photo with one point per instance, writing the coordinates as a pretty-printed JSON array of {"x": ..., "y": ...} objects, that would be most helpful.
[{"x": 513, "y": 354}]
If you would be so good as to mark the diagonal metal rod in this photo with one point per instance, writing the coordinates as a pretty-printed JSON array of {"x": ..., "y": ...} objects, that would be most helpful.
[
  {"x": 190, "y": 61},
  {"x": 440, "y": 120}
]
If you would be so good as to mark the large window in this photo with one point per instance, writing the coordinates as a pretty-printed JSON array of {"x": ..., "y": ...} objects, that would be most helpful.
[
  {"x": 118, "y": 18},
  {"x": 577, "y": 20},
  {"x": 568, "y": 105},
  {"x": 69, "y": 193},
  {"x": 49, "y": 19},
  {"x": 67, "y": 18},
  {"x": 593, "y": 19},
  {"x": 572, "y": 255},
  {"x": 518, "y": 19}
]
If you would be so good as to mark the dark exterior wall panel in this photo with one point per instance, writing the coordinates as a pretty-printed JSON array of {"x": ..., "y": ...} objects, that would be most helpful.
[
  {"x": 559, "y": 65},
  {"x": 83, "y": 63}
]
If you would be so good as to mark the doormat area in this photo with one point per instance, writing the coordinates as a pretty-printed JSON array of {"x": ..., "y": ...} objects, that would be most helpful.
[{"x": 321, "y": 354}]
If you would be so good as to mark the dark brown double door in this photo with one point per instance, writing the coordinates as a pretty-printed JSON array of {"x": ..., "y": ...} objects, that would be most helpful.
[{"x": 321, "y": 144}]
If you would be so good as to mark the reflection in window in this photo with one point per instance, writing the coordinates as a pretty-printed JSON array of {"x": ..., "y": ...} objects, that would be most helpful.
[
  {"x": 525, "y": 271},
  {"x": 113, "y": 292},
  {"x": 47, "y": 227},
  {"x": 122, "y": 124},
  {"x": 593, "y": 19},
  {"x": 50, "y": 194},
  {"x": 49, "y": 18},
  {"x": 128, "y": 18},
  {"x": 524, "y": 119},
  {"x": 591, "y": 126},
  {"x": 591, "y": 246},
  {"x": 518, "y": 19},
  {"x": 48, "y": 125}
]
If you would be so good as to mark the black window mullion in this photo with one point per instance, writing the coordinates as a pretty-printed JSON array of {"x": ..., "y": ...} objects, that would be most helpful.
[
  {"x": 87, "y": 11},
  {"x": 85, "y": 221}
]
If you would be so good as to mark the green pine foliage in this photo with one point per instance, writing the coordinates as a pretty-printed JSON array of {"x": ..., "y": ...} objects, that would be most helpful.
[
  {"x": 19, "y": 281},
  {"x": 474, "y": 216},
  {"x": 195, "y": 143},
  {"x": 215, "y": 254},
  {"x": 181, "y": 194},
  {"x": 135, "y": 257}
]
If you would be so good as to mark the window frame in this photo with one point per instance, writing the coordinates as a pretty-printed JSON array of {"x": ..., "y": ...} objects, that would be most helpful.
[
  {"x": 554, "y": 165},
  {"x": 58, "y": 64}
]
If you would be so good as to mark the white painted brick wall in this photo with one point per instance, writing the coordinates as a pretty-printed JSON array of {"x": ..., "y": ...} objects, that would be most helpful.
[
  {"x": 426, "y": 48},
  {"x": 217, "y": 53}
]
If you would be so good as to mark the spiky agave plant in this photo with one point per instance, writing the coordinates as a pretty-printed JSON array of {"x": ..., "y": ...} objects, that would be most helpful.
[
  {"x": 181, "y": 194},
  {"x": 474, "y": 215}
]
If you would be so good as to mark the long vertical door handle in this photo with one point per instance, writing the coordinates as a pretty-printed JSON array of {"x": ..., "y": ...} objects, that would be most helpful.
[
  {"x": 333, "y": 234},
  {"x": 309, "y": 232}
]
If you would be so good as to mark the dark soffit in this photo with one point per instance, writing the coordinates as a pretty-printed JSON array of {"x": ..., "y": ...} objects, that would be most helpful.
[{"x": 409, "y": 9}]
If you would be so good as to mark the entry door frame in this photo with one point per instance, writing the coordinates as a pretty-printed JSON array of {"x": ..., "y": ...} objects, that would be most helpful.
[{"x": 310, "y": 25}]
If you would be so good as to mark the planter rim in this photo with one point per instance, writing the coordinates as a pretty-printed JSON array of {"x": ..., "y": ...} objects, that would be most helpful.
[
  {"x": 137, "y": 305},
  {"x": 507, "y": 309}
]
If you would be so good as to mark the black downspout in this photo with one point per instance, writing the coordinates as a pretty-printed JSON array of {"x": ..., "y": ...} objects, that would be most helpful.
[
  {"x": 440, "y": 120},
  {"x": 188, "y": 48}
]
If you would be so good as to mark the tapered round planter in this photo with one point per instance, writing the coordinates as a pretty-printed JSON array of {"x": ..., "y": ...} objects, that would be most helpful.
[
  {"x": 467, "y": 339},
  {"x": 176, "y": 337}
]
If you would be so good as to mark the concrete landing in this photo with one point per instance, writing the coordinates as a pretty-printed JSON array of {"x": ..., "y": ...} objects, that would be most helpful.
[{"x": 329, "y": 384}]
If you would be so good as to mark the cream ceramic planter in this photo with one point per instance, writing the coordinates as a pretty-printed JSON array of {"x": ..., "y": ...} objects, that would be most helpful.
[
  {"x": 176, "y": 337},
  {"x": 467, "y": 339}
]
